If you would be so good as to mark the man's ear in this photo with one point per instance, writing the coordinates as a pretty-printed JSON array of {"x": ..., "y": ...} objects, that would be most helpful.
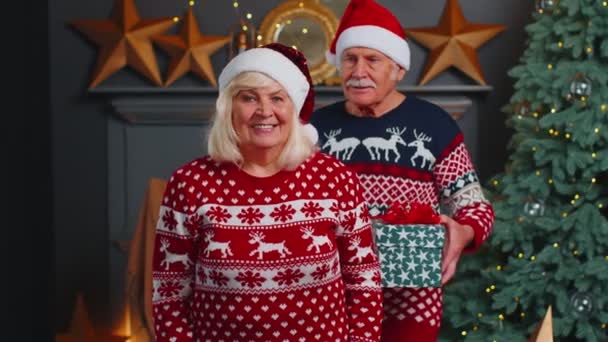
[{"x": 401, "y": 73}]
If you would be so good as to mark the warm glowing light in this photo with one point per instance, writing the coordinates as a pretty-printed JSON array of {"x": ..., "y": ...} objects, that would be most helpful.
[
  {"x": 535, "y": 114},
  {"x": 560, "y": 44},
  {"x": 301, "y": 4},
  {"x": 589, "y": 49},
  {"x": 556, "y": 245},
  {"x": 501, "y": 317},
  {"x": 191, "y": 3},
  {"x": 567, "y": 135},
  {"x": 553, "y": 110},
  {"x": 235, "y": 4},
  {"x": 550, "y": 181},
  {"x": 479, "y": 315},
  {"x": 175, "y": 19},
  {"x": 550, "y": 66},
  {"x": 534, "y": 148},
  {"x": 463, "y": 333},
  {"x": 244, "y": 27},
  {"x": 604, "y": 107},
  {"x": 259, "y": 37},
  {"x": 533, "y": 258},
  {"x": 596, "y": 130},
  {"x": 537, "y": 173},
  {"x": 523, "y": 314},
  {"x": 305, "y": 30},
  {"x": 520, "y": 255},
  {"x": 249, "y": 15},
  {"x": 495, "y": 182},
  {"x": 577, "y": 196},
  {"x": 125, "y": 329},
  {"x": 593, "y": 180},
  {"x": 564, "y": 214},
  {"x": 294, "y": 47},
  {"x": 593, "y": 155},
  {"x": 499, "y": 268}
]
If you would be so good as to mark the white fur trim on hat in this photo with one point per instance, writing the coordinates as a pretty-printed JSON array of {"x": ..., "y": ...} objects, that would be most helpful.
[
  {"x": 275, "y": 65},
  {"x": 373, "y": 37},
  {"x": 311, "y": 133}
]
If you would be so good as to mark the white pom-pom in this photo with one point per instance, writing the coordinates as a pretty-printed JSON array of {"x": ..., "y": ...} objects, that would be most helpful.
[
  {"x": 311, "y": 133},
  {"x": 331, "y": 58}
]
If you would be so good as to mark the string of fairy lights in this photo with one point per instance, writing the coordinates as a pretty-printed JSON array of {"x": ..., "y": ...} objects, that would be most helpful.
[
  {"x": 248, "y": 15},
  {"x": 298, "y": 39},
  {"x": 580, "y": 91}
]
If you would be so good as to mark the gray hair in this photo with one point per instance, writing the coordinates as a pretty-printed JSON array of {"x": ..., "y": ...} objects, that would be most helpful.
[{"x": 223, "y": 142}]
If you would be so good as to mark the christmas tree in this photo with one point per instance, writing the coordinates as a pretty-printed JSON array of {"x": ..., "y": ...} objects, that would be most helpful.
[{"x": 549, "y": 246}]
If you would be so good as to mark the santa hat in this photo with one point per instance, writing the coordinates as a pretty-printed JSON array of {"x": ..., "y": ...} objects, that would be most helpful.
[
  {"x": 285, "y": 65},
  {"x": 367, "y": 24}
]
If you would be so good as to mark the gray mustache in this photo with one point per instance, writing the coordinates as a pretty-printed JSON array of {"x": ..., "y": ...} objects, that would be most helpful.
[{"x": 363, "y": 82}]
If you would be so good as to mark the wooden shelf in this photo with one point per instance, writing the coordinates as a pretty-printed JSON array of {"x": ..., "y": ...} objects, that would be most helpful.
[
  {"x": 195, "y": 105},
  {"x": 460, "y": 89}
]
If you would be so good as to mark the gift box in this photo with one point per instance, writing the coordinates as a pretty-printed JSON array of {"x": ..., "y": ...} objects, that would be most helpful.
[{"x": 409, "y": 239}]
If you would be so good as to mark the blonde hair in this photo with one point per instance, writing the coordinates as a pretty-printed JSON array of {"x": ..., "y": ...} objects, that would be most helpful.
[{"x": 223, "y": 142}]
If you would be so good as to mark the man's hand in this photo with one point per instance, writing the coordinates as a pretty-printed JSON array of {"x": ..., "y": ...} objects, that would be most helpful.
[{"x": 458, "y": 236}]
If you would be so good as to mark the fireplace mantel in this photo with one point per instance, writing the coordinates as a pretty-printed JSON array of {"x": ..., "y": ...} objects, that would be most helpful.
[{"x": 195, "y": 105}]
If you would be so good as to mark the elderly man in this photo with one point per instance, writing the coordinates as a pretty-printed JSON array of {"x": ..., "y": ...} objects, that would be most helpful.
[{"x": 404, "y": 149}]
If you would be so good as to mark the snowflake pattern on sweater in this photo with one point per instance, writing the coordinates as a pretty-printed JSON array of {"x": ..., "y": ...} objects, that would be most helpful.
[
  {"x": 413, "y": 153},
  {"x": 283, "y": 258}
]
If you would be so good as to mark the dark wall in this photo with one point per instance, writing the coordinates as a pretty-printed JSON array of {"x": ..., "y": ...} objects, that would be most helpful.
[
  {"x": 26, "y": 190},
  {"x": 80, "y": 122}
]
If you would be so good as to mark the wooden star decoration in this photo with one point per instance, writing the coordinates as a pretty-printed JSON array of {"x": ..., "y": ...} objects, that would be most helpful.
[
  {"x": 81, "y": 328},
  {"x": 453, "y": 43},
  {"x": 544, "y": 331},
  {"x": 190, "y": 50},
  {"x": 124, "y": 40}
]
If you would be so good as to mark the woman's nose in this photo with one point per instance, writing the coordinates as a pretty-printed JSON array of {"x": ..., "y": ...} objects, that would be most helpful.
[{"x": 264, "y": 108}]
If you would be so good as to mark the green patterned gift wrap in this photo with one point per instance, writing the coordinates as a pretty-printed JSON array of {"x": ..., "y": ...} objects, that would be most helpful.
[{"x": 410, "y": 254}]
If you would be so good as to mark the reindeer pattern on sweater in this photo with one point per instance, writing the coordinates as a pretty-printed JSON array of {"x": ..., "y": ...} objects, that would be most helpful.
[
  {"x": 283, "y": 258},
  {"x": 413, "y": 153}
]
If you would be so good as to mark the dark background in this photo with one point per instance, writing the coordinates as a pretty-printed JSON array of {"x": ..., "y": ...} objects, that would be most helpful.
[
  {"x": 60, "y": 142},
  {"x": 26, "y": 171}
]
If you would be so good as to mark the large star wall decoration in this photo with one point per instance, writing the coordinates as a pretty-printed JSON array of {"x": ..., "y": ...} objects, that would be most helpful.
[
  {"x": 190, "y": 50},
  {"x": 124, "y": 40},
  {"x": 81, "y": 329},
  {"x": 453, "y": 42}
]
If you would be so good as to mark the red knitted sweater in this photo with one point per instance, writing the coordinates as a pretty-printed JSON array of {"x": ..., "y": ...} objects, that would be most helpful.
[{"x": 283, "y": 258}]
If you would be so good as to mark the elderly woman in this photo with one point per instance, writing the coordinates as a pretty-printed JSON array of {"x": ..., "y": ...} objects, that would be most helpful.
[{"x": 265, "y": 239}]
